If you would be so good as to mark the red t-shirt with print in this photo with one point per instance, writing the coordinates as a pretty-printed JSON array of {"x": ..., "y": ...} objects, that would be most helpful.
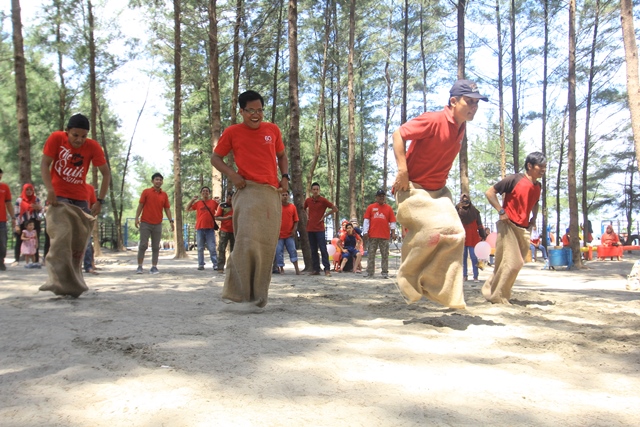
[
  {"x": 317, "y": 208},
  {"x": 289, "y": 217},
  {"x": 5, "y": 196},
  {"x": 435, "y": 142},
  {"x": 254, "y": 151},
  {"x": 379, "y": 216},
  {"x": 70, "y": 165},
  {"x": 204, "y": 219},
  {"x": 520, "y": 197},
  {"x": 225, "y": 210},
  {"x": 154, "y": 202}
]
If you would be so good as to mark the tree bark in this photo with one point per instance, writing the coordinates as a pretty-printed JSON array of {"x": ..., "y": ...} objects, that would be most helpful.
[
  {"x": 352, "y": 111},
  {"x": 24, "y": 140},
  {"x": 545, "y": 83},
  {"x": 571, "y": 149},
  {"x": 180, "y": 251},
  {"x": 464, "y": 155},
  {"x": 214, "y": 89},
  {"x": 405, "y": 49},
  {"x": 631, "y": 56},
  {"x": 503, "y": 148},
  {"x": 294, "y": 134},
  {"x": 514, "y": 91}
]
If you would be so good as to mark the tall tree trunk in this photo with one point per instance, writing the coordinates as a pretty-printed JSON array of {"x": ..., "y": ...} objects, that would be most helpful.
[
  {"x": 294, "y": 134},
  {"x": 352, "y": 111},
  {"x": 587, "y": 133},
  {"x": 514, "y": 90},
  {"x": 180, "y": 251},
  {"x": 24, "y": 140},
  {"x": 405, "y": 66},
  {"x": 214, "y": 88},
  {"x": 559, "y": 175},
  {"x": 545, "y": 83},
  {"x": 338, "y": 78},
  {"x": 571, "y": 150},
  {"x": 274, "y": 97},
  {"x": 62, "y": 93},
  {"x": 631, "y": 56},
  {"x": 321, "y": 101},
  {"x": 503, "y": 148},
  {"x": 236, "y": 61},
  {"x": 464, "y": 156},
  {"x": 387, "y": 115},
  {"x": 423, "y": 56},
  {"x": 93, "y": 95}
]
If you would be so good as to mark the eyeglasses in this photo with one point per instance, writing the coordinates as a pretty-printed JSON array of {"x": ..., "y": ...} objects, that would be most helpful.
[{"x": 252, "y": 111}]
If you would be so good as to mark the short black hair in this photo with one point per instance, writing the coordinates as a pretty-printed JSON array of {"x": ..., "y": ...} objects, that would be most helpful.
[
  {"x": 535, "y": 158},
  {"x": 157, "y": 175},
  {"x": 206, "y": 188},
  {"x": 248, "y": 96},
  {"x": 1, "y": 171},
  {"x": 315, "y": 184}
]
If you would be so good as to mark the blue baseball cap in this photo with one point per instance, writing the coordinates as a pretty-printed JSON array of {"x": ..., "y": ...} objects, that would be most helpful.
[{"x": 467, "y": 88}]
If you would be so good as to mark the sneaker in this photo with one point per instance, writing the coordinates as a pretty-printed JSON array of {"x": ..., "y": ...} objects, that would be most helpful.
[
  {"x": 139, "y": 270},
  {"x": 367, "y": 275},
  {"x": 201, "y": 267},
  {"x": 385, "y": 276},
  {"x": 220, "y": 270},
  {"x": 476, "y": 280},
  {"x": 154, "y": 270}
]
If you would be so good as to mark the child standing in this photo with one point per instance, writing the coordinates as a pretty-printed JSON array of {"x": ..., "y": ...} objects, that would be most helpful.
[{"x": 28, "y": 248}]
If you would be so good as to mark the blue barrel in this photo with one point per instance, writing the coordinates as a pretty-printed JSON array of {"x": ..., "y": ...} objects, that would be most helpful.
[{"x": 557, "y": 257}]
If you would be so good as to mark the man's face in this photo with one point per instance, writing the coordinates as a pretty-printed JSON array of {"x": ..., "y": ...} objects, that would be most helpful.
[
  {"x": 465, "y": 109},
  {"x": 285, "y": 199},
  {"x": 77, "y": 137},
  {"x": 536, "y": 172},
  {"x": 205, "y": 193},
  {"x": 229, "y": 198},
  {"x": 380, "y": 199},
  {"x": 252, "y": 114},
  {"x": 157, "y": 182},
  {"x": 315, "y": 191}
]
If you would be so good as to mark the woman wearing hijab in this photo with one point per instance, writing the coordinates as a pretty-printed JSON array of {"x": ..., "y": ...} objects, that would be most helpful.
[
  {"x": 27, "y": 207},
  {"x": 610, "y": 239},
  {"x": 474, "y": 233}
]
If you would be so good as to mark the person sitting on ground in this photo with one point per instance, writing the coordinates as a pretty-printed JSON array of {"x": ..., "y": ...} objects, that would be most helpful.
[
  {"x": 535, "y": 244},
  {"x": 349, "y": 245},
  {"x": 610, "y": 239}
]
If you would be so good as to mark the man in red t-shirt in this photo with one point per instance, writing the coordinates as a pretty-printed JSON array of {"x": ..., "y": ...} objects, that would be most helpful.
[
  {"x": 288, "y": 233},
  {"x": 316, "y": 209},
  {"x": 379, "y": 225},
  {"x": 152, "y": 201},
  {"x": 6, "y": 211},
  {"x": 224, "y": 214},
  {"x": 205, "y": 225},
  {"x": 434, "y": 240},
  {"x": 517, "y": 214},
  {"x": 258, "y": 151},
  {"x": 473, "y": 234}
]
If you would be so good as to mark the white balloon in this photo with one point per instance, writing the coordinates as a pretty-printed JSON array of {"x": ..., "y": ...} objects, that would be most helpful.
[
  {"x": 483, "y": 250},
  {"x": 331, "y": 249}
]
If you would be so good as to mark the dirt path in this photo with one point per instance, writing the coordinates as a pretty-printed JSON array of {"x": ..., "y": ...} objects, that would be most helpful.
[{"x": 152, "y": 350}]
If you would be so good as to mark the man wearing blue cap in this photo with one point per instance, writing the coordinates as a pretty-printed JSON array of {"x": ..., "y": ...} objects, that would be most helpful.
[{"x": 434, "y": 241}]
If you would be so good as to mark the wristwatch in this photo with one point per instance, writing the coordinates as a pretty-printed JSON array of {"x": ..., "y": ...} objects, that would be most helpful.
[
  {"x": 286, "y": 175},
  {"x": 101, "y": 201},
  {"x": 501, "y": 212}
]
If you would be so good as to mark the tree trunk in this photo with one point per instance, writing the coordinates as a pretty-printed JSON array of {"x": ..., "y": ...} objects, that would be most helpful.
[
  {"x": 514, "y": 91},
  {"x": 236, "y": 62},
  {"x": 587, "y": 139},
  {"x": 180, "y": 251},
  {"x": 352, "y": 111},
  {"x": 62, "y": 94},
  {"x": 405, "y": 49},
  {"x": 274, "y": 97},
  {"x": 503, "y": 148},
  {"x": 24, "y": 140},
  {"x": 559, "y": 176},
  {"x": 571, "y": 150},
  {"x": 294, "y": 135},
  {"x": 387, "y": 116},
  {"x": 631, "y": 56},
  {"x": 214, "y": 88},
  {"x": 338, "y": 114},
  {"x": 464, "y": 156},
  {"x": 545, "y": 82}
]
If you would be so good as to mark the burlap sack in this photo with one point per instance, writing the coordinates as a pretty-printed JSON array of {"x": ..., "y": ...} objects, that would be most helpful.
[
  {"x": 69, "y": 230},
  {"x": 257, "y": 213},
  {"x": 432, "y": 248},
  {"x": 512, "y": 247}
]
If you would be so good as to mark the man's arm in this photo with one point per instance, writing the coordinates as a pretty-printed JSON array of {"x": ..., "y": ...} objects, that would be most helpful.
[
  {"x": 167, "y": 212},
  {"x": 492, "y": 197},
  {"x": 294, "y": 230},
  {"x": 104, "y": 187},
  {"x": 218, "y": 162},
  {"x": 138, "y": 212},
  {"x": 400, "y": 151},
  {"x": 534, "y": 211},
  {"x": 45, "y": 173},
  {"x": 10, "y": 214},
  {"x": 191, "y": 202},
  {"x": 283, "y": 164},
  {"x": 333, "y": 210}
]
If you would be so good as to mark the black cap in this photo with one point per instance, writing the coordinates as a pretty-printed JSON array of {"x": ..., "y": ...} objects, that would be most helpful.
[
  {"x": 467, "y": 88},
  {"x": 381, "y": 193},
  {"x": 78, "y": 121}
]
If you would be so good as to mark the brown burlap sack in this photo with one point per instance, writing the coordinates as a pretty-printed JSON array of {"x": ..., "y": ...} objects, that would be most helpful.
[
  {"x": 512, "y": 247},
  {"x": 432, "y": 248},
  {"x": 257, "y": 213},
  {"x": 69, "y": 229}
]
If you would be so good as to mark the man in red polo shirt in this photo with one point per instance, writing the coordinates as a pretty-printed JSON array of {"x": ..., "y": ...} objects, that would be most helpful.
[
  {"x": 434, "y": 243},
  {"x": 379, "y": 225},
  {"x": 316, "y": 208},
  {"x": 152, "y": 201}
]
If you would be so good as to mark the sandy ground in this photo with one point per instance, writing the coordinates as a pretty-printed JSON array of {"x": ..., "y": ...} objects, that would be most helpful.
[{"x": 163, "y": 350}]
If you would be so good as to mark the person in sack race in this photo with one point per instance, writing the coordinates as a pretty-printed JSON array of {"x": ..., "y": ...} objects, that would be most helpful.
[
  {"x": 205, "y": 225},
  {"x": 258, "y": 151},
  {"x": 149, "y": 220},
  {"x": 434, "y": 242},
  {"x": 517, "y": 215}
]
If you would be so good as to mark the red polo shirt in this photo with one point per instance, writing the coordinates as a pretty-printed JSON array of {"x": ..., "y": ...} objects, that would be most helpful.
[{"x": 154, "y": 202}]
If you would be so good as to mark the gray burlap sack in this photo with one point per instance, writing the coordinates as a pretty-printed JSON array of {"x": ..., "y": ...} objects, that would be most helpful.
[{"x": 69, "y": 230}]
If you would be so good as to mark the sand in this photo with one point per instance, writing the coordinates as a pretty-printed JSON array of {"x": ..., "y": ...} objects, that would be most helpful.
[{"x": 164, "y": 350}]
